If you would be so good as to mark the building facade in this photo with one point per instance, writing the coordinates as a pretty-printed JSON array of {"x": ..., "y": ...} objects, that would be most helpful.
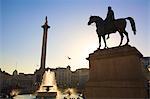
[{"x": 28, "y": 83}]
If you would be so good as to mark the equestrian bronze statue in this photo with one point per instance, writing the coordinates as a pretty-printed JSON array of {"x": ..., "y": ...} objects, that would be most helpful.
[{"x": 105, "y": 27}]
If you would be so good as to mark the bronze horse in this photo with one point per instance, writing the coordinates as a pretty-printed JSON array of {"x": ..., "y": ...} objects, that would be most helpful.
[{"x": 104, "y": 28}]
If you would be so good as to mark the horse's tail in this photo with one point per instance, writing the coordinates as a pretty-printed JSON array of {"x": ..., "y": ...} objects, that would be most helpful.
[{"x": 132, "y": 24}]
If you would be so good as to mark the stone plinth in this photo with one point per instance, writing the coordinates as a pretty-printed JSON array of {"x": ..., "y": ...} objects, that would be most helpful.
[{"x": 116, "y": 73}]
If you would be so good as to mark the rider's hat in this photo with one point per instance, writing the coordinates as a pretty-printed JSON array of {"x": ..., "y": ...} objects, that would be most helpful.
[{"x": 109, "y": 7}]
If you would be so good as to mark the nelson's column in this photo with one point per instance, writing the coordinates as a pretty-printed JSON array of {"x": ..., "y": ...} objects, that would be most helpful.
[{"x": 39, "y": 73}]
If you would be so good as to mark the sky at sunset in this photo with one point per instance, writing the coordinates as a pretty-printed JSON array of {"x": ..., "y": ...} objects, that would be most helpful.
[{"x": 69, "y": 35}]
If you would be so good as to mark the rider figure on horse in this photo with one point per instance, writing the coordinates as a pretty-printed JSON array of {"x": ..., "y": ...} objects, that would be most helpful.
[{"x": 110, "y": 19}]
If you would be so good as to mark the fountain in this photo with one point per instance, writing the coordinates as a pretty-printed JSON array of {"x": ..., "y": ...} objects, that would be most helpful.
[{"x": 48, "y": 88}]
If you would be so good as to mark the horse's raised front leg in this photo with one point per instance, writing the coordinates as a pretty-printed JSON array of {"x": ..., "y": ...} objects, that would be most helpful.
[
  {"x": 121, "y": 34},
  {"x": 104, "y": 41}
]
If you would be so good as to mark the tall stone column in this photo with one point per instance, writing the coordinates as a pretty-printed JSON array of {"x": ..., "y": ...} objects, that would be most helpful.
[{"x": 44, "y": 44}]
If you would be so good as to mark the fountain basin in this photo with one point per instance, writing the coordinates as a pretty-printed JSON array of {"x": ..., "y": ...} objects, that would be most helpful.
[{"x": 46, "y": 95}]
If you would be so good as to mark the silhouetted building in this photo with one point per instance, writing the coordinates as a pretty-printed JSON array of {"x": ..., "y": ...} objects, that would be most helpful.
[
  {"x": 83, "y": 75},
  {"x": 63, "y": 77},
  {"x": 15, "y": 73},
  {"x": 24, "y": 83},
  {"x": 146, "y": 62},
  {"x": 75, "y": 79},
  {"x": 3, "y": 84},
  {"x": 66, "y": 78},
  {"x": 27, "y": 83}
]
